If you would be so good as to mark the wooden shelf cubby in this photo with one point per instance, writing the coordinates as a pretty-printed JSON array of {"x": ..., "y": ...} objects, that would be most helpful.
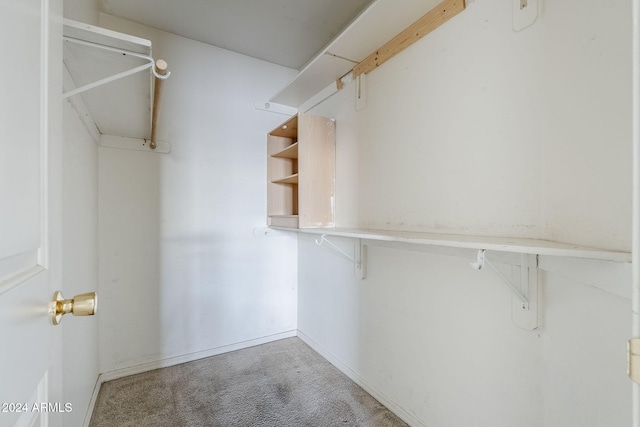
[
  {"x": 290, "y": 152},
  {"x": 301, "y": 173}
]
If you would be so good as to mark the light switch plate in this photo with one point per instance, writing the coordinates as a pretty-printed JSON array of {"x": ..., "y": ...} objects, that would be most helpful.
[{"x": 525, "y": 13}]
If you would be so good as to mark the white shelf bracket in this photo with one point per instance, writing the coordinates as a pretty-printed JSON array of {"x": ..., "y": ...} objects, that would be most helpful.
[
  {"x": 525, "y": 307},
  {"x": 482, "y": 261},
  {"x": 361, "y": 92},
  {"x": 150, "y": 64},
  {"x": 633, "y": 359},
  {"x": 358, "y": 259}
]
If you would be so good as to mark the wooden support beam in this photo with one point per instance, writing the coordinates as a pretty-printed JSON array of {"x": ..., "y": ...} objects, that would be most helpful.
[
  {"x": 161, "y": 68},
  {"x": 423, "y": 26}
]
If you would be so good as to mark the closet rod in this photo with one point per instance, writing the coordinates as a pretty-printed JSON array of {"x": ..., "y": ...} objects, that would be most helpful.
[{"x": 161, "y": 74}]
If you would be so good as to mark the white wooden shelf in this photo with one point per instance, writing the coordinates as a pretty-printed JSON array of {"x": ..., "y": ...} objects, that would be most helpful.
[
  {"x": 500, "y": 244},
  {"x": 376, "y": 25},
  {"x": 122, "y": 107}
]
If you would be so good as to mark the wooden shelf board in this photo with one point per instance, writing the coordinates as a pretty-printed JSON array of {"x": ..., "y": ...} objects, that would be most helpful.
[
  {"x": 490, "y": 243},
  {"x": 283, "y": 222},
  {"x": 291, "y": 179},
  {"x": 321, "y": 72},
  {"x": 291, "y": 152}
]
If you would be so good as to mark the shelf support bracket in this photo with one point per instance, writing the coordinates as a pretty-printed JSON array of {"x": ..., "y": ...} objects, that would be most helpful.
[
  {"x": 358, "y": 259},
  {"x": 150, "y": 64},
  {"x": 361, "y": 92},
  {"x": 633, "y": 359},
  {"x": 482, "y": 261},
  {"x": 525, "y": 307}
]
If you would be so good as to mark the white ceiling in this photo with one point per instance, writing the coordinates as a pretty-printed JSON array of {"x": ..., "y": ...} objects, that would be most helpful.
[{"x": 285, "y": 32}]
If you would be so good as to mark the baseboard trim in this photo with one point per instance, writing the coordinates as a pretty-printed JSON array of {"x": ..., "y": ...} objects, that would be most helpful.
[
  {"x": 92, "y": 402},
  {"x": 171, "y": 361},
  {"x": 366, "y": 386}
]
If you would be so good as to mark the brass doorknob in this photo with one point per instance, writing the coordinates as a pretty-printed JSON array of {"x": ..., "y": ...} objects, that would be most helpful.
[{"x": 80, "y": 305}]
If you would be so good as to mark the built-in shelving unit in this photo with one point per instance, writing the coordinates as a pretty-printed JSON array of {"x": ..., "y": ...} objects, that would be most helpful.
[
  {"x": 300, "y": 172},
  {"x": 524, "y": 287},
  {"x": 499, "y": 244},
  {"x": 382, "y": 30}
]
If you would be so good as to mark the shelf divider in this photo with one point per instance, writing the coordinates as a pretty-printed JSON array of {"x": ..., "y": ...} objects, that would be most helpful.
[
  {"x": 291, "y": 152},
  {"x": 291, "y": 179}
]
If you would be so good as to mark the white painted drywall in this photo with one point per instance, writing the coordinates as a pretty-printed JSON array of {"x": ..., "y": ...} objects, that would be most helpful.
[
  {"x": 180, "y": 270},
  {"x": 86, "y": 11},
  {"x": 433, "y": 339},
  {"x": 79, "y": 263},
  {"x": 480, "y": 130},
  {"x": 477, "y": 129}
]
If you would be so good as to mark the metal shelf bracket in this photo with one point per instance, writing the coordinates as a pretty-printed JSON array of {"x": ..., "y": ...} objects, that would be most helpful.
[
  {"x": 525, "y": 307},
  {"x": 150, "y": 64},
  {"x": 633, "y": 359},
  {"x": 358, "y": 259}
]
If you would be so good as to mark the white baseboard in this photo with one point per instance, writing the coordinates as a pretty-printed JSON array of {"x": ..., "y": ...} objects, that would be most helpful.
[
  {"x": 366, "y": 386},
  {"x": 92, "y": 402},
  {"x": 171, "y": 361}
]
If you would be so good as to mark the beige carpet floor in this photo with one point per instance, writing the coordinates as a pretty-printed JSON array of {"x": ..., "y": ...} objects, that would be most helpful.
[{"x": 280, "y": 384}]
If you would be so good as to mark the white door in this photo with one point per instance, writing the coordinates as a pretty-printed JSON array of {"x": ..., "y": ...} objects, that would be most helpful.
[{"x": 30, "y": 186}]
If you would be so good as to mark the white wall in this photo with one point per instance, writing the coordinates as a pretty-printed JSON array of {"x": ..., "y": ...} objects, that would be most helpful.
[
  {"x": 477, "y": 129},
  {"x": 434, "y": 338},
  {"x": 79, "y": 263},
  {"x": 86, "y": 11},
  {"x": 180, "y": 271},
  {"x": 480, "y": 130}
]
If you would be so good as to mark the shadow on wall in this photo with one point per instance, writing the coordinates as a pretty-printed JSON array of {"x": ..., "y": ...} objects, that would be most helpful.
[{"x": 129, "y": 270}]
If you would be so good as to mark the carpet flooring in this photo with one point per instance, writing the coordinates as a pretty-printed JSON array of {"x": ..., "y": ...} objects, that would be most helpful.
[{"x": 280, "y": 384}]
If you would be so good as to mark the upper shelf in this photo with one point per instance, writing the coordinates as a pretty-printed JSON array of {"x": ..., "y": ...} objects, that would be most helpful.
[
  {"x": 376, "y": 25},
  {"x": 500, "y": 244},
  {"x": 121, "y": 107}
]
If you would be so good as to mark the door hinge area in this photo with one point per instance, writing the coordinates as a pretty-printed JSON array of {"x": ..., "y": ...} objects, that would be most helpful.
[{"x": 633, "y": 359}]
